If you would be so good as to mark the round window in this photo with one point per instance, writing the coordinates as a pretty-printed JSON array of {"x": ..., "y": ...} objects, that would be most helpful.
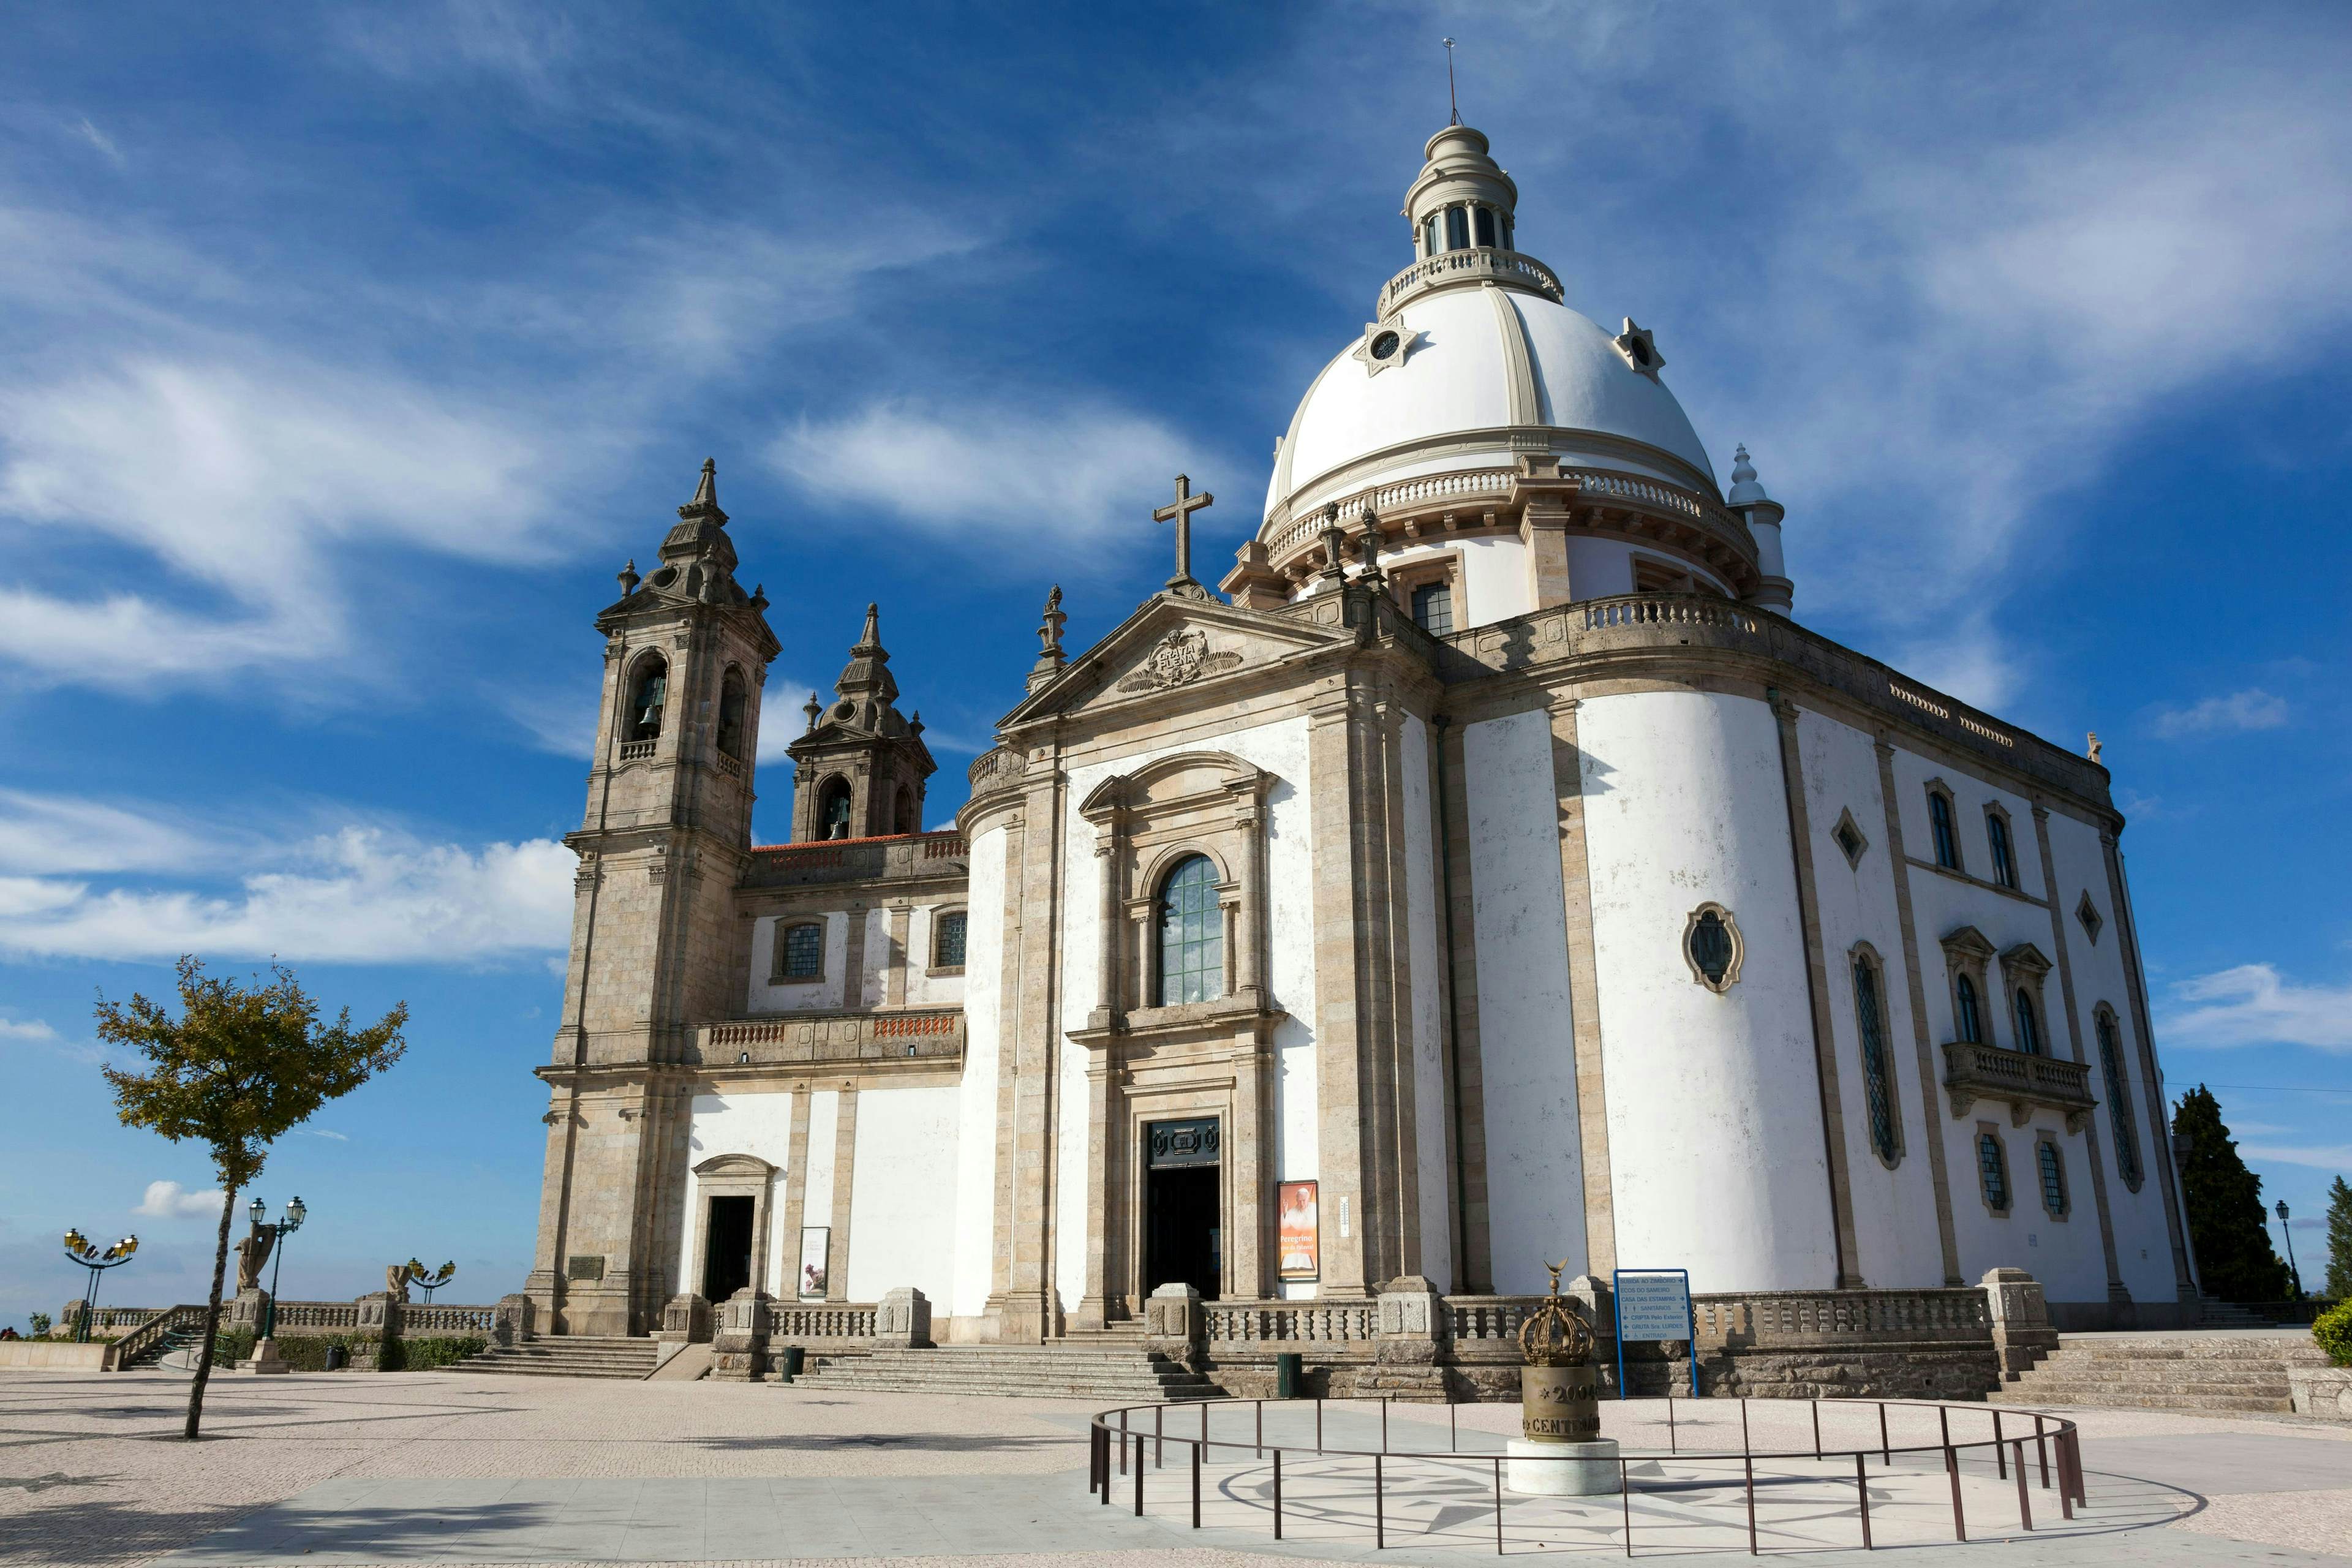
[{"x": 1386, "y": 345}]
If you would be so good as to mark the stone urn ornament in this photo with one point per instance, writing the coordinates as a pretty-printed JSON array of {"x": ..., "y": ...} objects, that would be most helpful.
[{"x": 1560, "y": 1451}]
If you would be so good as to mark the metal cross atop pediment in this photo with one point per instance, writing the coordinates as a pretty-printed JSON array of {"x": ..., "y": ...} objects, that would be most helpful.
[{"x": 1179, "y": 512}]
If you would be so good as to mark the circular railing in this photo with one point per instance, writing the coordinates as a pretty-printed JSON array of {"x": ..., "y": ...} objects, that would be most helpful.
[{"x": 1125, "y": 1441}]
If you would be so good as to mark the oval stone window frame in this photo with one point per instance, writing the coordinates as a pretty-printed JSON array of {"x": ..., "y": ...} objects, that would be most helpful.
[{"x": 1724, "y": 921}]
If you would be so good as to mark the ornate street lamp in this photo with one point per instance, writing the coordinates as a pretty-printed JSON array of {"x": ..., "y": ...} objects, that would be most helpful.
[
  {"x": 2291, "y": 1268},
  {"x": 428, "y": 1279},
  {"x": 295, "y": 1214},
  {"x": 80, "y": 1249}
]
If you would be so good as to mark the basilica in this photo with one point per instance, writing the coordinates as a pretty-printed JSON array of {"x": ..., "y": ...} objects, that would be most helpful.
[{"x": 1488, "y": 871}]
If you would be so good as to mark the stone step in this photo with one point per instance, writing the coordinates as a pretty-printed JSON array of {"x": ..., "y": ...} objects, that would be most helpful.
[
  {"x": 2199, "y": 1380},
  {"x": 2285, "y": 1352},
  {"x": 2108, "y": 1396},
  {"x": 991, "y": 1388}
]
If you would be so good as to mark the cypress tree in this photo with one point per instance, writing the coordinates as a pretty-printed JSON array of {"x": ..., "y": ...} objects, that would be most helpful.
[
  {"x": 2339, "y": 1241},
  {"x": 2235, "y": 1260}
]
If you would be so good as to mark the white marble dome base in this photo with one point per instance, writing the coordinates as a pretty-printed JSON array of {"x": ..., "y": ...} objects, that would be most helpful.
[{"x": 1565, "y": 1469}]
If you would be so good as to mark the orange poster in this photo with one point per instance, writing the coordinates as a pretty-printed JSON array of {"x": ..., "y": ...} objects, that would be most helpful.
[{"x": 1297, "y": 1246}]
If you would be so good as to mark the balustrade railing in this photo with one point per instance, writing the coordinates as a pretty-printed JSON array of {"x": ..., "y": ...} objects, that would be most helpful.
[
  {"x": 1291, "y": 1322},
  {"x": 422, "y": 1318},
  {"x": 795, "y": 1321},
  {"x": 1462, "y": 266},
  {"x": 1670, "y": 610},
  {"x": 1819, "y": 1317},
  {"x": 316, "y": 1315},
  {"x": 836, "y": 1036}
]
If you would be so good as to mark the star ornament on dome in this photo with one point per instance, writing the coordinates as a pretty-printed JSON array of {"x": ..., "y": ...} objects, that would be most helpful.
[
  {"x": 1640, "y": 350},
  {"x": 1384, "y": 345}
]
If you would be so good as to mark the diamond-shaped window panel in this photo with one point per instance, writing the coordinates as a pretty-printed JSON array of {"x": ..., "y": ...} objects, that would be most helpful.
[
  {"x": 2088, "y": 913},
  {"x": 1849, "y": 839}
]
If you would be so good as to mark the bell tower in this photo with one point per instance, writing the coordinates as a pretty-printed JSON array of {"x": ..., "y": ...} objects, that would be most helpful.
[
  {"x": 860, "y": 770},
  {"x": 666, "y": 838}
]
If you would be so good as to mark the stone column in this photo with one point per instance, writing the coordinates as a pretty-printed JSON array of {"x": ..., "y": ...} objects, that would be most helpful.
[
  {"x": 1249, "y": 818},
  {"x": 894, "y": 986}
]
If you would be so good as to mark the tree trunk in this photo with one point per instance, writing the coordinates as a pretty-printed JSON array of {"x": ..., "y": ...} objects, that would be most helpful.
[{"x": 212, "y": 1317}]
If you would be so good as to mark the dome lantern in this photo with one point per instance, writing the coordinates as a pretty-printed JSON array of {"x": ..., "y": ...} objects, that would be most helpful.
[{"x": 1462, "y": 208}]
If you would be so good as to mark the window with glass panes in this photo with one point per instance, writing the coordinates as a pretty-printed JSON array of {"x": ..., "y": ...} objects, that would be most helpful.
[
  {"x": 1877, "y": 1090},
  {"x": 947, "y": 951},
  {"x": 1939, "y": 826},
  {"x": 1433, "y": 608},
  {"x": 2004, "y": 860},
  {"x": 1992, "y": 1169},
  {"x": 804, "y": 952},
  {"x": 2028, "y": 1025},
  {"x": 2053, "y": 1177},
  {"x": 2119, "y": 1110},
  {"x": 1970, "y": 1020},
  {"x": 1192, "y": 934}
]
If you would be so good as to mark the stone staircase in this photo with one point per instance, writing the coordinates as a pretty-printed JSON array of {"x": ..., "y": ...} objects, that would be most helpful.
[
  {"x": 1098, "y": 1367},
  {"x": 2215, "y": 1313},
  {"x": 2212, "y": 1371},
  {"x": 566, "y": 1356}
]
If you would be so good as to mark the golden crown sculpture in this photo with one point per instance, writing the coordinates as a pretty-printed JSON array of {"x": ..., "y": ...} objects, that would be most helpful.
[{"x": 1552, "y": 1335}]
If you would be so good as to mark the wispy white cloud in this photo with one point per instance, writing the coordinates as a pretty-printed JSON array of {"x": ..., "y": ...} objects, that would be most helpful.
[
  {"x": 169, "y": 1200},
  {"x": 2252, "y": 1005},
  {"x": 1049, "y": 477},
  {"x": 323, "y": 1133},
  {"x": 32, "y": 1031},
  {"x": 2252, "y": 708},
  {"x": 117, "y": 882},
  {"x": 2325, "y": 1157},
  {"x": 101, "y": 140}
]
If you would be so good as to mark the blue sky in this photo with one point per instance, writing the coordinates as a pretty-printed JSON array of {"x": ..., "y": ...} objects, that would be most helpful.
[{"x": 346, "y": 354}]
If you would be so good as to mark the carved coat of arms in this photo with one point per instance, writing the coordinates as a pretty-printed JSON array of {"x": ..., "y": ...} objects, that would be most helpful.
[{"x": 1180, "y": 657}]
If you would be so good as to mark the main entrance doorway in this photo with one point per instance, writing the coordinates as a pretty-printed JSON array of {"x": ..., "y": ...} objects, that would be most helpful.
[
  {"x": 727, "y": 1248},
  {"x": 1184, "y": 1225}
]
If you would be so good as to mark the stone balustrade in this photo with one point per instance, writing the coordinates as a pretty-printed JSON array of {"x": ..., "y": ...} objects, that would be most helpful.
[
  {"x": 1477, "y": 264},
  {"x": 926, "y": 1035},
  {"x": 898, "y": 856},
  {"x": 1974, "y": 1071},
  {"x": 1291, "y": 1325}
]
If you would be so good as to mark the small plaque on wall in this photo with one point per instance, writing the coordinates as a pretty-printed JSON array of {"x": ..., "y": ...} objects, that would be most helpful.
[
  {"x": 817, "y": 1241},
  {"x": 583, "y": 1266},
  {"x": 1299, "y": 1241}
]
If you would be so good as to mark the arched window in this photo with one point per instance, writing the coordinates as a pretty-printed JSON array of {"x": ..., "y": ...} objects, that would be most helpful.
[
  {"x": 1992, "y": 1172},
  {"x": 1484, "y": 218},
  {"x": 1968, "y": 1018},
  {"x": 1877, "y": 1091},
  {"x": 1433, "y": 608},
  {"x": 2119, "y": 1110},
  {"x": 734, "y": 705},
  {"x": 648, "y": 694},
  {"x": 833, "y": 810},
  {"x": 1939, "y": 827},
  {"x": 1192, "y": 934},
  {"x": 2004, "y": 859},
  {"x": 2053, "y": 1167},
  {"x": 2029, "y": 1027},
  {"x": 947, "y": 940},
  {"x": 902, "y": 812},
  {"x": 1429, "y": 234},
  {"x": 1457, "y": 228}
]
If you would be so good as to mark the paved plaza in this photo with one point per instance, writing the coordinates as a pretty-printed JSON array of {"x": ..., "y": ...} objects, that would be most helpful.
[{"x": 450, "y": 1468}]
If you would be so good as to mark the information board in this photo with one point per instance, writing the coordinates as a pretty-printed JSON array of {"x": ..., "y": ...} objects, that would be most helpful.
[{"x": 1653, "y": 1304}]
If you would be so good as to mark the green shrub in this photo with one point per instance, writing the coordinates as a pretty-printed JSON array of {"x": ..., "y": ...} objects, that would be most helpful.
[
  {"x": 423, "y": 1354},
  {"x": 2332, "y": 1330},
  {"x": 40, "y": 1324}
]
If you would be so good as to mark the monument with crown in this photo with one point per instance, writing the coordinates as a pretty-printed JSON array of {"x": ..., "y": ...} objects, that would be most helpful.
[{"x": 1488, "y": 869}]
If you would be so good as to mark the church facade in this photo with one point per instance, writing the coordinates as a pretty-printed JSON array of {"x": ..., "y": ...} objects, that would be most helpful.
[{"x": 1490, "y": 873}]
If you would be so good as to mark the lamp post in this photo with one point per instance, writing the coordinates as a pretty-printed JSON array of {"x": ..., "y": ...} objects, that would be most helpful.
[
  {"x": 429, "y": 1281},
  {"x": 2291, "y": 1268},
  {"x": 295, "y": 1214},
  {"x": 80, "y": 1249}
]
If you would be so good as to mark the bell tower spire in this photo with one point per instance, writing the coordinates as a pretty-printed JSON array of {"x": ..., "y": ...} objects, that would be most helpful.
[{"x": 860, "y": 771}]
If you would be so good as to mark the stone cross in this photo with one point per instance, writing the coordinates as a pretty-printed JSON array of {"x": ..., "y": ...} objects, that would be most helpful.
[{"x": 1179, "y": 512}]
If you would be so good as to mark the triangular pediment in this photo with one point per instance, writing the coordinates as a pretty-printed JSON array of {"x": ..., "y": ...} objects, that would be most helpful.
[{"x": 1171, "y": 644}]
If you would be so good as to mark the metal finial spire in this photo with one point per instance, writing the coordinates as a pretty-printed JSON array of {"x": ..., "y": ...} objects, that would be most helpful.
[{"x": 1453, "y": 105}]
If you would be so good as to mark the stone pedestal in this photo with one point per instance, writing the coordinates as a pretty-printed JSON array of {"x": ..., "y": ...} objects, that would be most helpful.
[
  {"x": 902, "y": 1319},
  {"x": 1561, "y": 1469},
  {"x": 1173, "y": 1324},
  {"x": 2022, "y": 1334},
  {"x": 1410, "y": 1317},
  {"x": 740, "y": 1347},
  {"x": 686, "y": 1319},
  {"x": 265, "y": 1359}
]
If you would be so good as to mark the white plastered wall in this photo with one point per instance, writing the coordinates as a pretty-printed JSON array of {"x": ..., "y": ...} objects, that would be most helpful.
[
  {"x": 1600, "y": 568},
  {"x": 816, "y": 1201},
  {"x": 924, "y": 989},
  {"x": 1280, "y": 749},
  {"x": 2065, "y": 1256},
  {"x": 760, "y": 1125},
  {"x": 900, "y": 1230},
  {"x": 1897, "y": 1241},
  {"x": 1428, "y": 1106},
  {"x": 824, "y": 995},
  {"x": 1527, "y": 1040},
  {"x": 874, "y": 969},
  {"x": 975, "y": 1172},
  {"x": 1715, "y": 1127}
]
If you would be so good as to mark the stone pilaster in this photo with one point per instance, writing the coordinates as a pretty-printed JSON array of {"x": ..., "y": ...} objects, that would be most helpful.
[{"x": 1930, "y": 1085}]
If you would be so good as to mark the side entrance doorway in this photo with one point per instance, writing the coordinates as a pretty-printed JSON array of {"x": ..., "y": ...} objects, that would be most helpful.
[
  {"x": 727, "y": 1248},
  {"x": 1183, "y": 1206}
]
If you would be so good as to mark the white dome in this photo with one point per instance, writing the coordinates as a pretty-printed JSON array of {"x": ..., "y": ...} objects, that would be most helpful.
[{"x": 1460, "y": 395}]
